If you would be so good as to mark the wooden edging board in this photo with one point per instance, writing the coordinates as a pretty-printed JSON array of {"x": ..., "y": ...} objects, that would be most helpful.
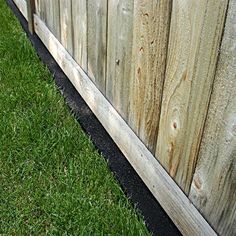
[
  {"x": 22, "y": 6},
  {"x": 168, "y": 194}
]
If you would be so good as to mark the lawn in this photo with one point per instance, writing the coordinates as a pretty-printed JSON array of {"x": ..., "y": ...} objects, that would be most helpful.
[{"x": 52, "y": 179}]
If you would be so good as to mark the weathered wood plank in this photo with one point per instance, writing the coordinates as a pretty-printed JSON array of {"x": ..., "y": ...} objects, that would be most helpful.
[
  {"x": 150, "y": 39},
  {"x": 37, "y": 7},
  {"x": 119, "y": 54},
  {"x": 195, "y": 34},
  {"x": 49, "y": 12},
  {"x": 97, "y": 42},
  {"x": 170, "y": 196},
  {"x": 40, "y": 9},
  {"x": 66, "y": 25},
  {"x": 79, "y": 29},
  {"x": 30, "y": 13},
  {"x": 44, "y": 11},
  {"x": 213, "y": 189},
  {"x": 22, "y": 6},
  {"x": 55, "y": 26}
]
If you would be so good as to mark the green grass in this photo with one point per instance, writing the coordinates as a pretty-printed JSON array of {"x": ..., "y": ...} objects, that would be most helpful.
[{"x": 52, "y": 179}]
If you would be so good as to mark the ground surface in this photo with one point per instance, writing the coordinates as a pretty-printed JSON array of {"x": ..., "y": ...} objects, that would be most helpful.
[{"x": 52, "y": 179}]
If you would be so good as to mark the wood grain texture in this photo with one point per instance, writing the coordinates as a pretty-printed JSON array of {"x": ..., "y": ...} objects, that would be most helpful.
[
  {"x": 119, "y": 54},
  {"x": 66, "y": 25},
  {"x": 79, "y": 28},
  {"x": 22, "y": 6},
  {"x": 30, "y": 13},
  {"x": 170, "y": 196},
  {"x": 150, "y": 39},
  {"x": 39, "y": 9},
  {"x": 195, "y": 34},
  {"x": 49, "y": 11},
  {"x": 213, "y": 189},
  {"x": 56, "y": 26},
  {"x": 97, "y": 42}
]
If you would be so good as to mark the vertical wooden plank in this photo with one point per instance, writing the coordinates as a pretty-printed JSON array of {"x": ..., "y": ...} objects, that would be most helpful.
[
  {"x": 46, "y": 12},
  {"x": 79, "y": 28},
  {"x": 55, "y": 8},
  {"x": 37, "y": 7},
  {"x": 119, "y": 54},
  {"x": 213, "y": 189},
  {"x": 22, "y": 6},
  {"x": 66, "y": 25},
  {"x": 30, "y": 13},
  {"x": 195, "y": 34},
  {"x": 151, "y": 28},
  {"x": 41, "y": 10},
  {"x": 51, "y": 9},
  {"x": 97, "y": 42}
]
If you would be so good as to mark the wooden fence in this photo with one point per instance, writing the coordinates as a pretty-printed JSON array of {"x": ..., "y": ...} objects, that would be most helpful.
[{"x": 163, "y": 72}]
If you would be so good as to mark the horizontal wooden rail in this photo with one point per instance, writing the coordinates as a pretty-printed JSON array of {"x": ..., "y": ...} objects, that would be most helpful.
[{"x": 169, "y": 195}]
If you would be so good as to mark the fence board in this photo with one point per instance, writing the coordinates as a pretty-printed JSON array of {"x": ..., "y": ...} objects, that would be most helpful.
[
  {"x": 53, "y": 17},
  {"x": 30, "y": 14},
  {"x": 55, "y": 8},
  {"x": 195, "y": 34},
  {"x": 49, "y": 12},
  {"x": 119, "y": 53},
  {"x": 79, "y": 29},
  {"x": 97, "y": 41},
  {"x": 37, "y": 7},
  {"x": 66, "y": 25},
  {"x": 213, "y": 188},
  {"x": 22, "y": 6},
  {"x": 41, "y": 9},
  {"x": 151, "y": 27}
]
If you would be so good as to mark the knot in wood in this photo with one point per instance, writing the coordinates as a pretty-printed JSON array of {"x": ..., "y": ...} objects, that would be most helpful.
[{"x": 117, "y": 62}]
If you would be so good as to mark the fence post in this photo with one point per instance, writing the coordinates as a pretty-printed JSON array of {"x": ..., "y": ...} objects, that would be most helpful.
[{"x": 31, "y": 11}]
